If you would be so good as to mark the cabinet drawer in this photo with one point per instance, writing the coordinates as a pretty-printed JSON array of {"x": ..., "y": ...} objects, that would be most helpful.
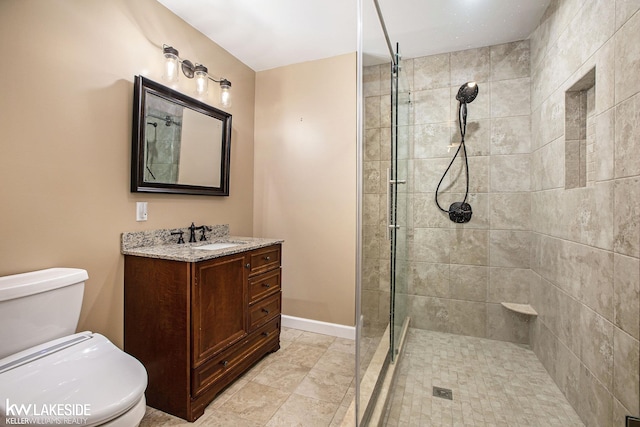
[
  {"x": 264, "y": 310},
  {"x": 233, "y": 358},
  {"x": 263, "y": 285},
  {"x": 264, "y": 259}
]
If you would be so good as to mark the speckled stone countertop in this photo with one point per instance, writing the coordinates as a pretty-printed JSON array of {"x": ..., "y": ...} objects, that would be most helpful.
[{"x": 163, "y": 245}]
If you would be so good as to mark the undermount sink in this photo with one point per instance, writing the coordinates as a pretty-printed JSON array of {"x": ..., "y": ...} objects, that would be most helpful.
[{"x": 218, "y": 246}]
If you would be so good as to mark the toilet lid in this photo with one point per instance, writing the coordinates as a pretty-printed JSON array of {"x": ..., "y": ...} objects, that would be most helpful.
[{"x": 81, "y": 377}]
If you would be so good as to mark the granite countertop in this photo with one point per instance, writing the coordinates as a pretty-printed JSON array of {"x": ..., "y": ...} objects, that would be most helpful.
[{"x": 163, "y": 245}]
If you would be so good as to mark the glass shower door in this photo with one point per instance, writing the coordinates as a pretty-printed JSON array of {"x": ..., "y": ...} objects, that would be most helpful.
[{"x": 398, "y": 201}]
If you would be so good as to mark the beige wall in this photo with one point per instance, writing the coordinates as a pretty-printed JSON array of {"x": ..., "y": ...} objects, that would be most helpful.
[
  {"x": 66, "y": 89},
  {"x": 305, "y": 182}
]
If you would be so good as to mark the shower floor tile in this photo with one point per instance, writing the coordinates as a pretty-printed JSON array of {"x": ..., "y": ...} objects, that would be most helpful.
[{"x": 494, "y": 383}]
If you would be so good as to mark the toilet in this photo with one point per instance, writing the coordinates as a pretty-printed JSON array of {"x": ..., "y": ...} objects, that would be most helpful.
[{"x": 50, "y": 375}]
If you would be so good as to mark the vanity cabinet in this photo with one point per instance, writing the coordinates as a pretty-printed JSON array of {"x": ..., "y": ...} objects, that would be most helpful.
[{"x": 197, "y": 326}]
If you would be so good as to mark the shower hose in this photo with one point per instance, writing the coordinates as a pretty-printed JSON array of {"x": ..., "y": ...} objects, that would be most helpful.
[{"x": 459, "y": 212}]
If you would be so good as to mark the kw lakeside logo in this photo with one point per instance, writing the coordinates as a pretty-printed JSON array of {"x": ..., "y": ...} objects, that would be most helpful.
[{"x": 49, "y": 413}]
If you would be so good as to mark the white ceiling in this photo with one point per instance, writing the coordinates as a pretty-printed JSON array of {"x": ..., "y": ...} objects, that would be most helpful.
[{"x": 265, "y": 34}]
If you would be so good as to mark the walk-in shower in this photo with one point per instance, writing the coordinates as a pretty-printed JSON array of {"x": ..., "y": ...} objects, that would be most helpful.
[{"x": 524, "y": 310}]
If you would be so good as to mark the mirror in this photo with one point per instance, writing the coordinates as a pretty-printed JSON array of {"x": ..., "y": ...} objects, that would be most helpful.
[{"x": 180, "y": 145}]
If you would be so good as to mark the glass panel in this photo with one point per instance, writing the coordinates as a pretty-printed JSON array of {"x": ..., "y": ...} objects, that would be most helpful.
[
  {"x": 374, "y": 296},
  {"x": 400, "y": 149},
  {"x": 383, "y": 283}
]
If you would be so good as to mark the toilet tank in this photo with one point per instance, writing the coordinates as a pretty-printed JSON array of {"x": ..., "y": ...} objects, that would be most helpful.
[{"x": 39, "y": 306}]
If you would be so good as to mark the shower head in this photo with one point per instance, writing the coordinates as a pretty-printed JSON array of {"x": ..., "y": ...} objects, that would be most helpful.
[{"x": 467, "y": 92}]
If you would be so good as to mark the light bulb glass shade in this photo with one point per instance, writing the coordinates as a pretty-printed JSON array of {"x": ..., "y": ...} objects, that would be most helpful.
[
  {"x": 225, "y": 93},
  {"x": 202, "y": 79},
  {"x": 171, "y": 63}
]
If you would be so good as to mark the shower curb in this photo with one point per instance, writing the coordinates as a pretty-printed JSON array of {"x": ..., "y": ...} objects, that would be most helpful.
[{"x": 380, "y": 408}]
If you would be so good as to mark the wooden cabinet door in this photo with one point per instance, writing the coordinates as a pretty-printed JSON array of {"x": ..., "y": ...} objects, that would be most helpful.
[{"x": 219, "y": 301}]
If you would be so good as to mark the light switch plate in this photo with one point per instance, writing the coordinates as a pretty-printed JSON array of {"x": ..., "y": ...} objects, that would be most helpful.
[{"x": 141, "y": 211}]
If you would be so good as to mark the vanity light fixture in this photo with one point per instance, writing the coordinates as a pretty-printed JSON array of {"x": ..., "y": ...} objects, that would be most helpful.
[
  {"x": 171, "y": 62},
  {"x": 191, "y": 70}
]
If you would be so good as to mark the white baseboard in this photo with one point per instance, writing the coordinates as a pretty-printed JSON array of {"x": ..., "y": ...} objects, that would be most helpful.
[{"x": 319, "y": 327}]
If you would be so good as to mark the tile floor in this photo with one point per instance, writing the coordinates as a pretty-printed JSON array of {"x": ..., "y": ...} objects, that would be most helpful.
[
  {"x": 308, "y": 382},
  {"x": 494, "y": 383}
]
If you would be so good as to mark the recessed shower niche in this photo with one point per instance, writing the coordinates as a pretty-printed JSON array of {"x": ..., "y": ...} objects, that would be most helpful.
[{"x": 579, "y": 132}]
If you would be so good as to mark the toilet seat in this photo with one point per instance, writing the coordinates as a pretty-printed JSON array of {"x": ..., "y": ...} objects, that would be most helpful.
[{"x": 76, "y": 370}]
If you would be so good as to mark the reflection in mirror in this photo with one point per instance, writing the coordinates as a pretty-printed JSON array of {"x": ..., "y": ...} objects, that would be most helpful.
[
  {"x": 197, "y": 153},
  {"x": 162, "y": 152},
  {"x": 180, "y": 145}
]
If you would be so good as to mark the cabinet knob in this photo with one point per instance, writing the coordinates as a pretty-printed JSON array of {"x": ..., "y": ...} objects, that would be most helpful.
[
  {"x": 266, "y": 334},
  {"x": 264, "y": 310},
  {"x": 225, "y": 363},
  {"x": 247, "y": 265},
  {"x": 266, "y": 285},
  {"x": 267, "y": 258}
]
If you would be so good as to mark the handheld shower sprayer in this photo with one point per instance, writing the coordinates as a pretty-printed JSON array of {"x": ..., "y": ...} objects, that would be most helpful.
[
  {"x": 460, "y": 212},
  {"x": 467, "y": 93}
]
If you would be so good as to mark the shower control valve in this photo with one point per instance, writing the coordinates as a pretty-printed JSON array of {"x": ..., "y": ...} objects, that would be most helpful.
[{"x": 460, "y": 212}]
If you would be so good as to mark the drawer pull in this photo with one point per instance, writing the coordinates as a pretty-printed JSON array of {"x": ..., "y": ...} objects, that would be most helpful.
[
  {"x": 264, "y": 310},
  {"x": 224, "y": 363},
  {"x": 247, "y": 265},
  {"x": 267, "y": 258},
  {"x": 265, "y": 334},
  {"x": 266, "y": 285}
]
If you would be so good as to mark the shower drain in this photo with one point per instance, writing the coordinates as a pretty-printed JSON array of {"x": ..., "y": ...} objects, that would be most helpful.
[{"x": 443, "y": 393}]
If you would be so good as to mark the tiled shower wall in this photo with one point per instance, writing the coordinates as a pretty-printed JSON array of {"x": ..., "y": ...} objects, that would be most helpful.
[
  {"x": 458, "y": 274},
  {"x": 377, "y": 149},
  {"x": 586, "y": 241}
]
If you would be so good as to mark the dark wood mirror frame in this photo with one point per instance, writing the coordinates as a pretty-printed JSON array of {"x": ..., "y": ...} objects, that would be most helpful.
[{"x": 144, "y": 87}]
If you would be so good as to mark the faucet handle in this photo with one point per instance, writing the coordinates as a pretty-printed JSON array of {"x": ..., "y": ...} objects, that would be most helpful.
[
  {"x": 179, "y": 232},
  {"x": 203, "y": 230}
]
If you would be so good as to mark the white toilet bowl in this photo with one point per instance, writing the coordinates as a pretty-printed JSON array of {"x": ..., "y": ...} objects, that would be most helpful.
[
  {"x": 84, "y": 376},
  {"x": 79, "y": 379}
]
